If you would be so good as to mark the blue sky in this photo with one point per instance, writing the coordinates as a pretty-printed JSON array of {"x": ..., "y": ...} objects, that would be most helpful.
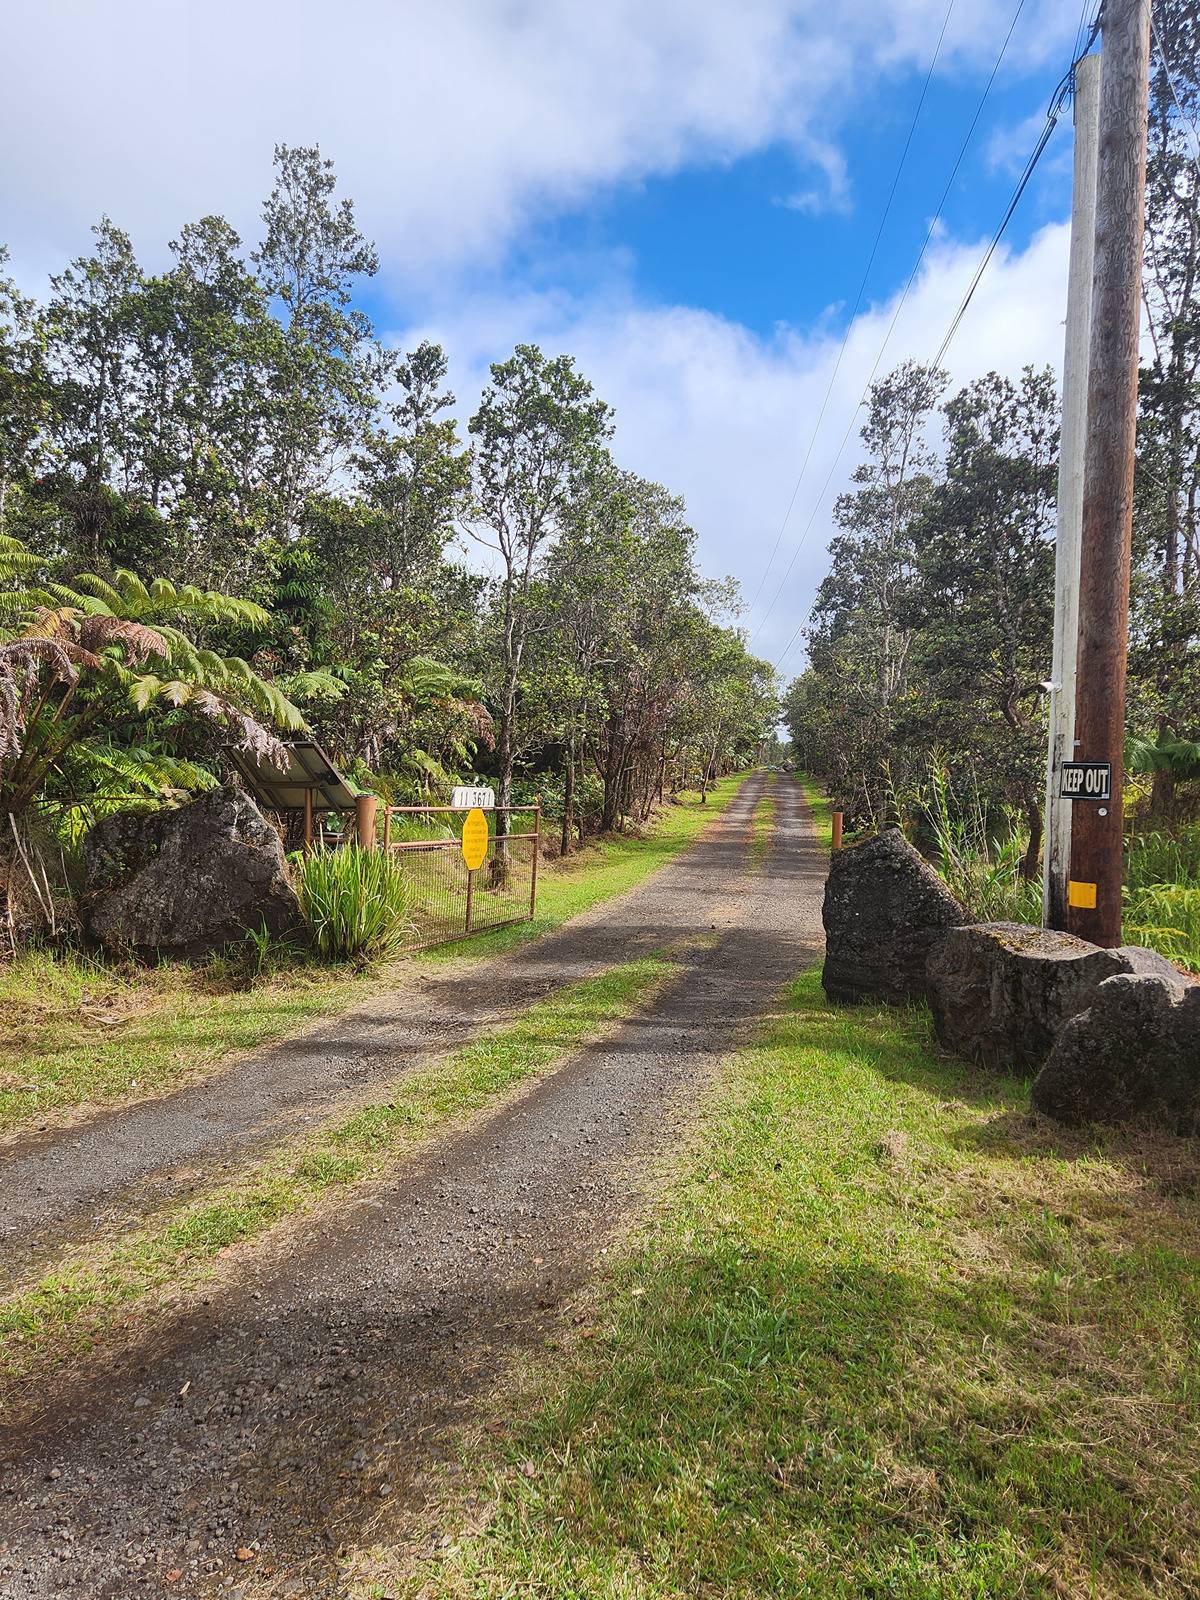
[{"x": 682, "y": 193}]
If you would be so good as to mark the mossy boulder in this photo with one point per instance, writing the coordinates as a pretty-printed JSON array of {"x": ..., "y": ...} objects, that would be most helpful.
[{"x": 186, "y": 881}]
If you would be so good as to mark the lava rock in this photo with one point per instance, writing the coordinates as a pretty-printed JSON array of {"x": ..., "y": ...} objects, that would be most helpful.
[
  {"x": 1000, "y": 992},
  {"x": 1133, "y": 1054},
  {"x": 186, "y": 881},
  {"x": 885, "y": 907}
]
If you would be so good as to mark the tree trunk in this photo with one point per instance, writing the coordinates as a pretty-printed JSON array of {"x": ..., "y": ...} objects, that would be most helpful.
[
  {"x": 568, "y": 815},
  {"x": 1033, "y": 851}
]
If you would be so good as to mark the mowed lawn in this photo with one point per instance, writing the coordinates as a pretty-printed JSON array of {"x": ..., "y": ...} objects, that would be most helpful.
[
  {"x": 886, "y": 1334},
  {"x": 79, "y": 1030}
]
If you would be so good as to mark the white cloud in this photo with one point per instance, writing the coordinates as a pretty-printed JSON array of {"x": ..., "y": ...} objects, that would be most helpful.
[
  {"x": 457, "y": 123},
  {"x": 452, "y": 123},
  {"x": 724, "y": 417}
]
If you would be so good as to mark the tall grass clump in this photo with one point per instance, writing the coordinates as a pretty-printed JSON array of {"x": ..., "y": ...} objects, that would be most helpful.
[
  {"x": 356, "y": 902},
  {"x": 982, "y": 871},
  {"x": 1162, "y": 893}
]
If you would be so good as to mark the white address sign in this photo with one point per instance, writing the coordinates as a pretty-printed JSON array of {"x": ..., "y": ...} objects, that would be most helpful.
[{"x": 466, "y": 798}]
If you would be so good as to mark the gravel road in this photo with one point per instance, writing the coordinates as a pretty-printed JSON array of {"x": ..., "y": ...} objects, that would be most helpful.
[
  {"x": 282, "y": 1418},
  {"x": 89, "y": 1175}
]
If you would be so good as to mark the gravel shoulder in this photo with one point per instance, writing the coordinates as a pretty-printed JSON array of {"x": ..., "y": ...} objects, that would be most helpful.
[{"x": 240, "y": 1447}]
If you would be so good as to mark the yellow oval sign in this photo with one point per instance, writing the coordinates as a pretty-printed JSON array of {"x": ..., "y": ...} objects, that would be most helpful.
[{"x": 474, "y": 838}]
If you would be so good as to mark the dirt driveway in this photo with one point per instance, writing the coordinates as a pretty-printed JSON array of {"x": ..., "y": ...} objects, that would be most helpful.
[{"x": 283, "y": 1417}]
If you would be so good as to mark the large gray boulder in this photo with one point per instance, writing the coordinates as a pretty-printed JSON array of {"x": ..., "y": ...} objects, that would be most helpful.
[
  {"x": 884, "y": 908},
  {"x": 188, "y": 881},
  {"x": 1133, "y": 1054},
  {"x": 1000, "y": 992}
]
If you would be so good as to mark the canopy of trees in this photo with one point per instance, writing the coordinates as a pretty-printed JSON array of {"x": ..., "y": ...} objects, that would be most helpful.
[{"x": 227, "y": 509}]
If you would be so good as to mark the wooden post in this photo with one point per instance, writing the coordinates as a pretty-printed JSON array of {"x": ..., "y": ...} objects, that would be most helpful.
[
  {"x": 387, "y": 828},
  {"x": 470, "y": 895},
  {"x": 308, "y": 821},
  {"x": 365, "y": 806},
  {"x": 838, "y": 819},
  {"x": 537, "y": 845},
  {"x": 1057, "y": 862},
  {"x": 1097, "y": 831}
]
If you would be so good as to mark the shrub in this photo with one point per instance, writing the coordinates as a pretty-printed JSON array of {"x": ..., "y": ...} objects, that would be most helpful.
[{"x": 356, "y": 902}]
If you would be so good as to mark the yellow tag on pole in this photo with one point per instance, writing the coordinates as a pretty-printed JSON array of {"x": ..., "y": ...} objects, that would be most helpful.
[
  {"x": 1082, "y": 895},
  {"x": 474, "y": 838}
]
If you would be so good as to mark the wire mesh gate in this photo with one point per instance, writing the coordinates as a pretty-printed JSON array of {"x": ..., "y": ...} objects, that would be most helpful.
[{"x": 448, "y": 901}]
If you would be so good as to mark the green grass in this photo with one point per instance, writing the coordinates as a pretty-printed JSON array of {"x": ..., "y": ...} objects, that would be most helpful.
[
  {"x": 821, "y": 807},
  {"x": 885, "y": 1335},
  {"x": 762, "y": 823},
  {"x": 71, "y": 1307},
  {"x": 78, "y": 1031}
]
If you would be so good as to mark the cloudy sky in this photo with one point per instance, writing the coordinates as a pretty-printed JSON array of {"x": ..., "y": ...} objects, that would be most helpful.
[{"x": 682, "y": 193}]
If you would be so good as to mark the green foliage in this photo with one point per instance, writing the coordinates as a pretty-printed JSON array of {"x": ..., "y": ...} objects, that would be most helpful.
[
  {"x": 91, "y": 677},
  {"x": 356, "y": 902}
]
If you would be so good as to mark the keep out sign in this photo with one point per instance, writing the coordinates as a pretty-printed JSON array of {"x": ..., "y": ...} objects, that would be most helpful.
[{"x": 1086, "y": 780}]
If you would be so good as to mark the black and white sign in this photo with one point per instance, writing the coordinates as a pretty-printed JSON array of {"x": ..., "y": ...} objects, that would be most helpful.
[
  {"x": 1085, "y": 780},
  {"x": 465, "y": 798}
]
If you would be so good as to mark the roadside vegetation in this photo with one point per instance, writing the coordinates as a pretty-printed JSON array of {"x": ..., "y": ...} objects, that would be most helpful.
[
  {"x": 886, "y": 1333},
  {"x": 82, "y": 1030},
  {"x": 71, "y": 1307}
]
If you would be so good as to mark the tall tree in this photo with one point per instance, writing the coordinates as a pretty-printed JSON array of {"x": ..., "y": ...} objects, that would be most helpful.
[
  {"x": 540, "y": 434},
  {"x": 324, "y": 386}
]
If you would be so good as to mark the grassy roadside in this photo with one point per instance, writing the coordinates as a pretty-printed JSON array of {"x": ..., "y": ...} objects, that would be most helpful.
[
  {"x": 887, "y": 1335},
  {"x": 821, "y": 807},
  {"x": 69, "y": 1309},
  {"x": 80, "y": 1032}
]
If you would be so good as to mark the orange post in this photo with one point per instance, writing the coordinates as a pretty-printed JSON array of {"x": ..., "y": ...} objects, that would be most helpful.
[
  {"x": 537, "y": 845},
  {"x": 837, "y": 830},
  {"x": 364, "y": 820}
]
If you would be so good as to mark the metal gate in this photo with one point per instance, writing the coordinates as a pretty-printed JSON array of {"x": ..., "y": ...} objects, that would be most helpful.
[{"x": 449, "y": 901}]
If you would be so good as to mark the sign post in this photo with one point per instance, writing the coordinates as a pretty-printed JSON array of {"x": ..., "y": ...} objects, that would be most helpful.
[{"x": 474, "y": 850}]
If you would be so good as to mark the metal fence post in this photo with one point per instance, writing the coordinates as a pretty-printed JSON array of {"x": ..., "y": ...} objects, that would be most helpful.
[{"x": 537, "y": 846}]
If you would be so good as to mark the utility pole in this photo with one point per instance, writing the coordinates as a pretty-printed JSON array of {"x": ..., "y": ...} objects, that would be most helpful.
[
  {"x": 1070, "y": 489},
  {"x": 1097, "y": 834}
]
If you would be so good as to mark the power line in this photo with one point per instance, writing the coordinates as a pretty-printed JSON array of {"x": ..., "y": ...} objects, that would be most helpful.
[
  {"x": 857, "y": 303},
  {"x": 1043, "y": 141},
  {"x": 1161, "y": 48},
  {"x": 892, "y": 324},
  {"x": 1058, "y": 100}
]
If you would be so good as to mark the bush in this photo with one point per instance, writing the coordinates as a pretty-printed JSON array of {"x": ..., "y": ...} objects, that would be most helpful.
[{"x": 356, "y": 902}]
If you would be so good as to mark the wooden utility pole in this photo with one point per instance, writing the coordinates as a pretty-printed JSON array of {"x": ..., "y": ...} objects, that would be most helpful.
[
  {"x": 1097, "y": 835},
  {"x": 1072, "y": 445}
]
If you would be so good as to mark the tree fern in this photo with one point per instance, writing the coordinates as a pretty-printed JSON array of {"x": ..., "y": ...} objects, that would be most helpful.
[{"x": 81, "y": 664}]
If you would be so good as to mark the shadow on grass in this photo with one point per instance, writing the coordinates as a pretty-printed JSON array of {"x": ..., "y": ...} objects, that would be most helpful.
[{"x": 757, "y": 1421}]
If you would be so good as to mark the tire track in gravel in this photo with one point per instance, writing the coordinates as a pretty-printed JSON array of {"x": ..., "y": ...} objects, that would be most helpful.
[
  {"x": 78, "y": 1180},
  {"x": 335, "y": 1362}
]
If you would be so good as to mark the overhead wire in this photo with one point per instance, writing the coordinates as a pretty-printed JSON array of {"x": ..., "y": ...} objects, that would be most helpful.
[
  {"x": 857, "y": 303},
  {"x": 1058, "y": 100},
  {"x": 1170, "y": 76},
  {"x": 929, "y": 233}
]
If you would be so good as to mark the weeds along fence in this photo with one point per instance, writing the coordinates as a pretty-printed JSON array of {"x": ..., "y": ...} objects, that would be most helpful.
[
  {"x": 449, "y": 901},
  {"x": 446, "y": 900}
]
